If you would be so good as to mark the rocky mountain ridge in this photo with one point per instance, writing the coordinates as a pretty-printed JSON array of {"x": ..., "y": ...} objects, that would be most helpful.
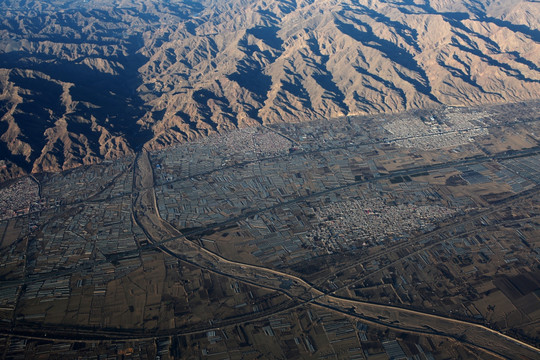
[{"x": 87, "y": 80}]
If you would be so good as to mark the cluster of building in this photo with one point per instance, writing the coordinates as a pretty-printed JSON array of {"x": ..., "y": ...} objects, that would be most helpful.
[
  {"x": 323, "y": 134},
  {"x": 372, "y": 221},
  {"x": 19, "y": 198},
  {"x": 200, "y": 188},
  {"x": 450, "y": 275},
  {"x": 256, "y": 141},
  {"x": 434, "y": 133},
  {"x": 218, "y": 151},
  {"x": 79, "y": 184}
]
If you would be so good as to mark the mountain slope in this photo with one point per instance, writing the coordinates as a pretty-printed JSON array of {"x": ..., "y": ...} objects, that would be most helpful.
[{"x": 84, "y": 81}]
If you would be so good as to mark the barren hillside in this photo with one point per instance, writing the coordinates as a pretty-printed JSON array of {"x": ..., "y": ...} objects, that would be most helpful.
[{"x": 83, "y": 81}]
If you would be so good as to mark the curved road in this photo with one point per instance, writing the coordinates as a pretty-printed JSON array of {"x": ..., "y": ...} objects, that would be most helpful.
[
  {"x": 160, "y": 233},
  {"x": 164, "y": 236}
]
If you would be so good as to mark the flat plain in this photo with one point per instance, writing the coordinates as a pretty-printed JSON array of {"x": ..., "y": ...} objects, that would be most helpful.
[{"x": 359, "y": 237}]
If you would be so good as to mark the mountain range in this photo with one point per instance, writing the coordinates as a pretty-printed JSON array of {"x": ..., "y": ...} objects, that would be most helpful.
[{"x": 83, "y": 81}]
